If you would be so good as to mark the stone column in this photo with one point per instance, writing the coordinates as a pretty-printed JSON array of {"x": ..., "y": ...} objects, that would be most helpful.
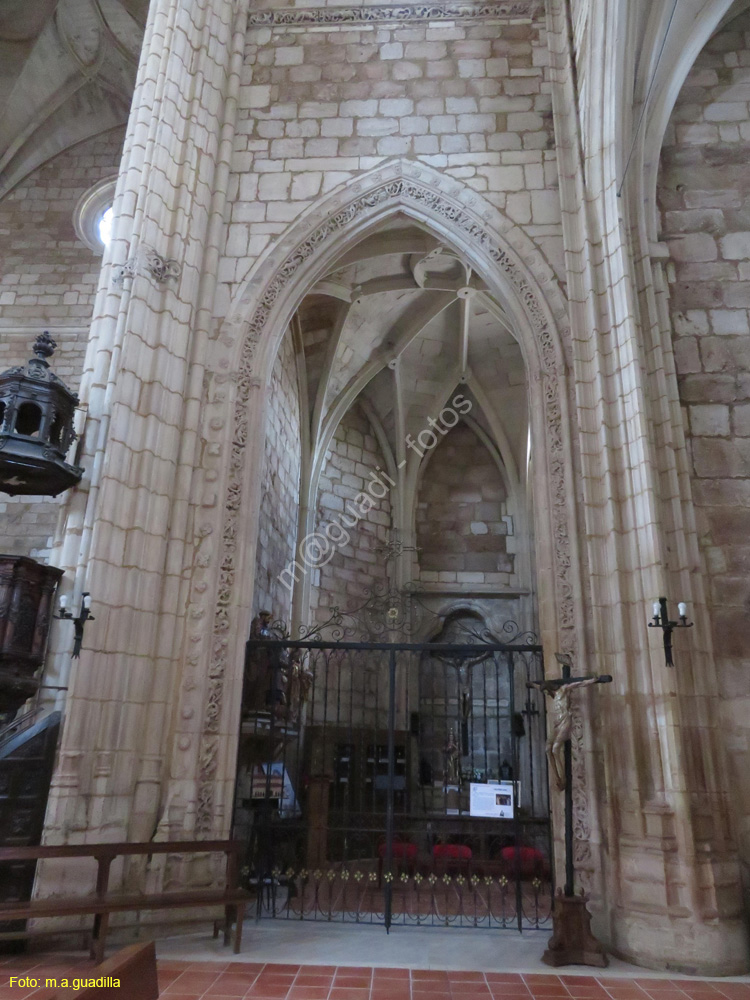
[
  {"x": 134, "y": 530},
  {"x": 670, "y": 888}
]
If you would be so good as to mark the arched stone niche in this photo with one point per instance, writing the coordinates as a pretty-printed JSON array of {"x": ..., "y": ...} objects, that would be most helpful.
[{"x": 517, "y": 276}]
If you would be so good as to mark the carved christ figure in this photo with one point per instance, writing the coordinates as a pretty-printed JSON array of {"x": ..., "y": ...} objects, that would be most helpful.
[{"x": 561, "y": 718}]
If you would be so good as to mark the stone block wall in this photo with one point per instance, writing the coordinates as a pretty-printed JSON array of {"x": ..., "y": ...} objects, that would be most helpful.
[
  {"x": 48, "y": 280},
  {"x": 322, "y": 102},
  {"x": 462, "y": 516},
  {"x": 356, "y": 565},
  {"x": 355, "y": 685},
  {"x": 704, "y": 195},
  {"x": 277, "y": 535},
  {"x": 47, "y": 275}
]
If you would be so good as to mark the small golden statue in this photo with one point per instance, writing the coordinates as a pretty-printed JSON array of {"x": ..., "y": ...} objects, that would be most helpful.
[
  {"x": 298, "y": 686},
  {"x": 277, "y": 680},
  {"x": 265, "y": 679}
]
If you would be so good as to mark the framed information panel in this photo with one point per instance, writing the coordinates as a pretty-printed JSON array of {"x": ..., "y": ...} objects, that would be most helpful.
[{"x": 494, "y": 801}]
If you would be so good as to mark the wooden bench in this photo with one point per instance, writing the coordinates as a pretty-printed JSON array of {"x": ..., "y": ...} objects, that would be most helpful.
[
  {"x": 103, "y": 903},
  {"x": 135, "y": 967}
]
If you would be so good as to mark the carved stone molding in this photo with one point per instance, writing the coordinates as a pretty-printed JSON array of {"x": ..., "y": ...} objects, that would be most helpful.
[
  {"x": 453, "y": 215},
  {"x": 147, "y": 260},
  {"x": 503, "y": 10}
]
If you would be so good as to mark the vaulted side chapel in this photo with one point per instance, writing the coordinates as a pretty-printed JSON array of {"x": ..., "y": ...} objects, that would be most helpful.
[{"x": 397, "y": 369}]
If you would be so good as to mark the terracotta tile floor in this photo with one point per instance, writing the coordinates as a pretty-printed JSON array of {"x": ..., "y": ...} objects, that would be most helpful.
[{"x": 257, "y": 981}]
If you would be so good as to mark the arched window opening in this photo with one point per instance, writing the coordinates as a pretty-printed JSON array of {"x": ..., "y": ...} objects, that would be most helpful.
[
  {"x": 28, "y": 419},
  {"x": 55, "y": 431}
]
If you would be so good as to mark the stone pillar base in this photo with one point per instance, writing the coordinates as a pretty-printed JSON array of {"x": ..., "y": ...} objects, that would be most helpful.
[
  {"x": 682, "y": 945},
  {"x": 572, "y": 942}
]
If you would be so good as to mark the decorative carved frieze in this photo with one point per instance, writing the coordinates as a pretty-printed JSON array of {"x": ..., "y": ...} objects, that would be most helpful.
[
  {"x": 456, "y": 216},
  {"x": 514, "y": 10}
]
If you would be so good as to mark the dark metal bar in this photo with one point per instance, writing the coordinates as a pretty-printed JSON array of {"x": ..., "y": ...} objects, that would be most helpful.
[
  {"x": 530, "y": 742},
  {"x": 374, "y": 736},
  {"x": 496, "y": 661},
  {"x": 484, "y": 718},
  {"x": 516, "y": 811},
  {"x": 569, "y": 869},
  {"x": 470, "y": 721},
  {"x": 391, "y": 774},
  {"x": 355, "y": 780}
]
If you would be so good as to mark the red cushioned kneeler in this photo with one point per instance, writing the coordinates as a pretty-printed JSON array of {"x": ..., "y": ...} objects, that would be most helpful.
[
  {"x": 452, "y": 852},
  {"x": 403, "y": 851},
  {"x": 528, "y": 861}
]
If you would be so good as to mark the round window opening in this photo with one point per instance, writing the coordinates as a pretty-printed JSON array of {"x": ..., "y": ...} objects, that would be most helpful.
[
  {"x": 105, "y": 226},
  {"x": 92, "y": 218}
]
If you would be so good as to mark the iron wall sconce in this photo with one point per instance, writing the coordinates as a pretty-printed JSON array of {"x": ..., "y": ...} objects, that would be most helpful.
[
  {"x": 79, "y": 622},
  {"x": 661, "y": 620}
]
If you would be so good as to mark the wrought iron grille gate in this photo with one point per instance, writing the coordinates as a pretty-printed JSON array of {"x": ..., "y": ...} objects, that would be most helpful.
[{"x": 358, "y": 763}]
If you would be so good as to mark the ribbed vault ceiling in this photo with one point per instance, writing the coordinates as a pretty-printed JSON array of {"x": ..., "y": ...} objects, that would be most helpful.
[
  {"x": 399, "y": 326},
  {"x": 67, "y": 73}
]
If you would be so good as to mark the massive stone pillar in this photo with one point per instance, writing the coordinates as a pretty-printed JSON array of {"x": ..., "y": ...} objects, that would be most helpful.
[
  {"x": 671, "y": 885},
  {"x": 133, "y": 532}
]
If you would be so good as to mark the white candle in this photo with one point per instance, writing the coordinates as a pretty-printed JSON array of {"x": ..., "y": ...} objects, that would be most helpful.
[
  {"x": 657, "y": 609},
  {"x": 682, "y": 608},
  {"x": 63, "y": 602},
  {"x": 87, "y": 600}
]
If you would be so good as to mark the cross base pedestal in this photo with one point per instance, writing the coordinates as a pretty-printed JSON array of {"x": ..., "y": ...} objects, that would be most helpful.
[{"x": 572, "y": 942}]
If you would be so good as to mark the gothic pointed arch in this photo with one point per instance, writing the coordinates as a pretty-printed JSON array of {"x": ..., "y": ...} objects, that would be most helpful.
[
  {"x": 682, "y": 39},
  {"x": 517, "y": 275},
  {"x": 444, "y": 206}
]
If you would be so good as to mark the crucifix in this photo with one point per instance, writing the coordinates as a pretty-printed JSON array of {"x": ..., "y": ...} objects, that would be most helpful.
[
  {"x": 572, "y": 941},
  {"x": 558, "y": 689},
  {"x": 463, "y": 668}
]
